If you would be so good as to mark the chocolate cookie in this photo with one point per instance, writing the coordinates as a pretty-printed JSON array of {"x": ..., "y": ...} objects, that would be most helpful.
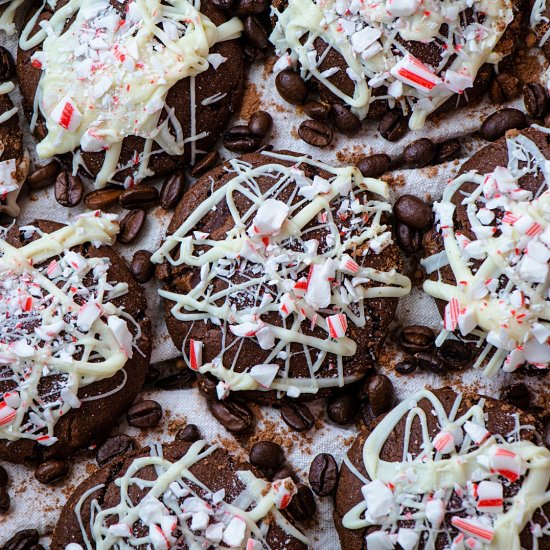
[
  {"x": 280, "y": 275},
  {"x": 488, "y": 255},
  {"x": 444, "y": 471},
  {"x": 132, "y": 89},
  {"x": 418, "y": 56},
  {"x": 183, "y": 495},
  {"x": 14, "y": 159},
  {"x": 75, "y": 339}
]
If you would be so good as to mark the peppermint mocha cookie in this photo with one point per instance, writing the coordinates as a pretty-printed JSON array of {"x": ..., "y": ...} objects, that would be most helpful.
[
  {"x": 14, "y": 159},
  {"x": 75, "y": 339},
  {"x": 441, "y": 471},
  {"x": 183, "y": 495},
  {"x": 132, "y": 88},
  {"x": 416, "y": 55},
  {"x": 280, "y": 273},
  {"x": 489, "y": 253}
]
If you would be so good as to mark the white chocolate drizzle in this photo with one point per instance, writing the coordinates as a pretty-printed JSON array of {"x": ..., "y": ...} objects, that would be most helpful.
[
  {"x": 8, "y": 9},
  {"x": 106, "y": 77},
  {"x": 180, "y": 509},
  {"x": 464, "y": 463},
  {"x": 501, "y": 294},
  {"x": 371, "y": 37},
  {"x": 12, "y": 173},
  {"x": 58, "y": 325},
  {"x": 308, "y": 282}
]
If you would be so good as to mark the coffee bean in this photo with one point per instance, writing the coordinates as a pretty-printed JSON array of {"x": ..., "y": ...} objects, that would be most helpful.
[
  {"x": 114, "y": 446},
  {"x": 497, "y": 124},
  {"x": 45, "y": 175},
  {"x": 419, "y": 153},
  {"x": 222, "y": 4},
  {"x": 207, "y": 386},
  {"x": 23, "y": 540},
  {"x": 504, "y": 87},
  {"x": 144, "y": 414},
  {"x": 381, "y": 394},
  {"x": 232, "y": 415},
  {"x": 69, "y": 189},
  {"x": 342, "y": 408},
  {"x": 447, "y": 151},
  {"x": 455, "y": 354},
  {"x": 205, "y": 164},
  {"x": 4, "y": 478},
  {"x": 430, "y": 361},
  {"x": 152, "y": 375},
  {"x": 536, "y": 99},
  {"x": 344, "y": 120},
  {"x": 323, "y": 474},
  {"x": 255, "y": 32},
  {"x": 284, "y": 472},
  {"x": 315, "y": 133},
  {"x": 131, "y": 225},
  {"x": 138, "y": 196},
  {"x": 297, "y": 416},
  {"x": 374, "y": 166},
  {"x": 102, "y": 198},
  {"x": 266, "y": 455},
  {"x": 260, "y": 124},
  {"x": 239, "y": 139},
  {"x": 393, "y": 126},
  {"x": 409, "y": 240},
  {"x": 413, "y": 212},
  {"x": 141, "y": 267},
  {"x": 302, "y": 506},
  {"x": 316, "y": 110},
  {"x": 291, "y": 87},
  {"x": 172, "y": 190},
  {"x": 190, "y": 434},
  {"x": 5, "y": 500},
  {"x": 52, "y": 472},
  {"x": 516, "y": 395},
  {"x": 179, "y": 381},
  {"x": 7, "y": 65},
  {"x": 250, "y": 7},
  {"x": 415, "y": 338},
  {"x": 406, "y": 367}
]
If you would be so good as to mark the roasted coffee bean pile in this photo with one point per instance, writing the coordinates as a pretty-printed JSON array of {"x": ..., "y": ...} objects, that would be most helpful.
[
  {"x": 419, "y": 342},
  {"x": 246, "y": 138}
]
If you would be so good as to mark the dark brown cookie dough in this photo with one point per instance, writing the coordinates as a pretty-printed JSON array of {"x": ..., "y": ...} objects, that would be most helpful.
[
  {"x": 212, "y": 118},
  {"x": 217, "y": 471},
  {"x": 378, "y": 312},
  {"x": 500, "y": 418},
  {"x": 91, "y": 422}
]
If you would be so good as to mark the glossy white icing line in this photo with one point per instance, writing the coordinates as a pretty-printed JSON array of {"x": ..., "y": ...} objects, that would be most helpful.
[
  {"x": 270, "y": 265},
  {"x": 12, "y": 173},
  {"x": 512, "y": 240},
  {"x": 371, "y": 36},
  {"x": 179, "y": 509},
  {"x": 463, "y": 461},
  {"x": 7, "y": 15},
  {"x": 107, "y": 76},
  {"x": 58, "y": 325}
]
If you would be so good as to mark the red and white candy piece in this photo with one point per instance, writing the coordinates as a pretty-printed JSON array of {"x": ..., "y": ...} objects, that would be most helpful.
[
  {"x": 337, "y": 325},
  {"x": 474, "y": 527},
  {"x": 158, "y": 539},
  {"x": 269, "y": 218},
  {"x": 87, "y": 315},
  {"x": 435, "y": 512},
  {"x": 452, "y": 312},
  {"x": 284, "y": 490},
  {"x": 235, "y": 532},
  {"x": 252, "y": 544},
  {"x": 348, "y": 264},
  {"x": 444, "y": 442},
  {"x": 413, "y": 72},
  {"x": 195, "y": 354},
  {"x": 286, "y": 305},
  {"x": 506, "y": 463},
  {"x": 489, "y": 497},
  {"x": 66, "y": 114},
  {"x": 478, "y": 434},
  {"x": 7, "y": 413}
]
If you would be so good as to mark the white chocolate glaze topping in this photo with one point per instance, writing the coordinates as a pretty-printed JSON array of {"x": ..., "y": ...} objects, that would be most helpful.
[
  {"x": 271, "y": 265},
  {"x": 374, "y": 38},
  {"x": 501, "y": 294},
  {"x": 59, "y": 330},
  {"x": 476, "y": 489}
]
